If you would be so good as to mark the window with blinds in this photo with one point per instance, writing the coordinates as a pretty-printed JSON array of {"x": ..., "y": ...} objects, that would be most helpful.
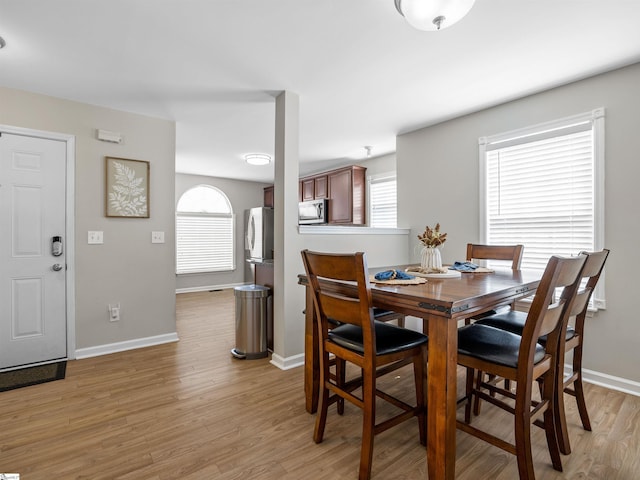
[
  {"x": 543, "y": 187},
  {"x": 205, "y": 227},
  {"x": 383, "y": 203}
]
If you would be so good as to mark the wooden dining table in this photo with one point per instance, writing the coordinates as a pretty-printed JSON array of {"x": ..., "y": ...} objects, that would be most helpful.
[{"x": 441, "y": 303}]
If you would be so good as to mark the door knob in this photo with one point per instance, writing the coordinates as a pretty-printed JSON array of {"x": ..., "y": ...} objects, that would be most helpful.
[{"x": 57, "y": 267}]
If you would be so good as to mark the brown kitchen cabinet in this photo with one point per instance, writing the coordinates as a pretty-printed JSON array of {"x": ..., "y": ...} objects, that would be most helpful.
[
  {"x": 345, "y": 188},
  {"x": 321, "y": 187},
  {"x": 268, "y": 196},
  {"x": 347, "y": 196},
  {"x": 308, "y": 189}
]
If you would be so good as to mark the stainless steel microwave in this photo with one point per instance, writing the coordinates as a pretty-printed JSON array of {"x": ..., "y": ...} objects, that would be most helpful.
[{"x": 313, "y": 212}]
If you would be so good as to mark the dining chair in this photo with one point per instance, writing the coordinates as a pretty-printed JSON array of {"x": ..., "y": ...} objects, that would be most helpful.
[
  {"x": 376, "y": 348},
  {"x": 514, "y": 322},
  {"x": 521, "y": 359},
  {"x": 506, "y": 253}
]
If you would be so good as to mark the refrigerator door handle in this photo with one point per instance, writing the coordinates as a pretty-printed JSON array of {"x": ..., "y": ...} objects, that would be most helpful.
[{"x": 251, "y": 233}]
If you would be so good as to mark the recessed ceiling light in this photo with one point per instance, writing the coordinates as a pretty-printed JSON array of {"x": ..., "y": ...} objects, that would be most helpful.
[{"x": 257, "y": 159}]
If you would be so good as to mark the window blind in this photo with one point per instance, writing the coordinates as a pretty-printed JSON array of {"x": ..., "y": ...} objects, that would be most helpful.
[
  {"x": 204, "y": 242},
  {"x": 383, "y": 202},
  {"x": 205, "y": 227},
  {"x": 541, "y": 193}
]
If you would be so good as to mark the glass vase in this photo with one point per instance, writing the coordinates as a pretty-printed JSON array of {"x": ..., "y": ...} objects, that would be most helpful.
[{"x": 430, "y": 259}]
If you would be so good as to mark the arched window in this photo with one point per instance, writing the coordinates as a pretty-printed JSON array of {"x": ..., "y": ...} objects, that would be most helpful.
[{"x": 205, "y": 227}]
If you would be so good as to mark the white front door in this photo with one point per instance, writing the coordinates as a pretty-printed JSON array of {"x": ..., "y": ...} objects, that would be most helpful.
[{"x": 33, "y": 320}]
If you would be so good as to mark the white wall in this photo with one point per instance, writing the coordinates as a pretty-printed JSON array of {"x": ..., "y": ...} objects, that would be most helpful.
[
  {"x": 438, "y": 181},
  {"x": 242, "y": 195},
  {"x": 127, "y": 268},
  {"x": 384, "y": 247}
]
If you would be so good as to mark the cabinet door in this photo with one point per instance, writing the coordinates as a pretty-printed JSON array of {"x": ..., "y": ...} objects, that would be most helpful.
[
  {"x": 340, "y": 196},
  {"x": 308, "y": 189},
  {"x": 268, "y": 197},
  {"x": 321, "y": 190}
]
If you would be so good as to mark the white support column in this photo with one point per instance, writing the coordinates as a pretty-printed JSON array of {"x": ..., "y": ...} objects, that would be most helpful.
[{"x": 288, "y": 348}]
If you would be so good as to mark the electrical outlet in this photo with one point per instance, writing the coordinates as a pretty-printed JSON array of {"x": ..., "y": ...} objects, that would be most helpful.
[
  {"x": 157, "y": 237},
  {"x": 114, "y": 312}
]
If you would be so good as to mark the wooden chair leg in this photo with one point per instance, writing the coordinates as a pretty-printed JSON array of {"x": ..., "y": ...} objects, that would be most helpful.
[
  {"x": 471, "y": 375},
  {"x": 421, "y": 401},
  {"x": 368, "y": 424},
  {"x": 523, "y": 442},
  {"x": 562, "y": 433},
  {"x": 579, "y": 389},
  {"x": 549, "y": 419},
  {"x": 552, "y": 440},
  {"x": 476, "y": 400},
  {"x": 340, "y": 380},
  {"x": 582, "y": 405},
  {"x": 321, "y": 415}
]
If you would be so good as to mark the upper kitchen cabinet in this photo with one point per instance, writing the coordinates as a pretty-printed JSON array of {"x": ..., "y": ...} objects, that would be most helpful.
[
  {"x": 314, "y": 188},
  {"x": 345, "y": 188},
  {"x": 308, "y": 189}
]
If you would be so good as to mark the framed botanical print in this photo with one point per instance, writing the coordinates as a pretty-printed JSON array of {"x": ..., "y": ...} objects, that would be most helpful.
[{"x": 126, "y": 188}]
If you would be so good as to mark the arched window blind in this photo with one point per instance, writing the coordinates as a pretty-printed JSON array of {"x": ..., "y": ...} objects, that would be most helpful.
[
  {"x": 205, "y": 227},
  {"x": 543, "y": 187}
]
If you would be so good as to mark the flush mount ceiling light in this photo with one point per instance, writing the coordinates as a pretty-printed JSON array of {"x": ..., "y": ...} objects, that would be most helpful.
[
  {"x": 257, "y": 159},
  {"x": 433, "y": 14}
]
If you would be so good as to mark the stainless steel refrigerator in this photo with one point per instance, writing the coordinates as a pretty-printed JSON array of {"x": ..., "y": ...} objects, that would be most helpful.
[{"x": 259, "y": 234}]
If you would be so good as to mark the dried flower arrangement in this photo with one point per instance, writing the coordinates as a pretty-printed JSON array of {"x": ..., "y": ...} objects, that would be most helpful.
[{"x": 432, "y": 236}]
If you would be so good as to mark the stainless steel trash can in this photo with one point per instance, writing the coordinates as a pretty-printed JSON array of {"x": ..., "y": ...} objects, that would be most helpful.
[{"x": 251, "y": 321}]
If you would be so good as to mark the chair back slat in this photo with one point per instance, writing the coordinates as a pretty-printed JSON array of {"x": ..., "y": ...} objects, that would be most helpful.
[
  {"x": 581, "y": 301},
  {"x": 512, "y": 253},
  {"x": 546, "y": 317},
  {"x": 341, "y": 308}
]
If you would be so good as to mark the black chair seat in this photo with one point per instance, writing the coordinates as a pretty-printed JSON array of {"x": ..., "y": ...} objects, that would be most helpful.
[
  {"x": 513, "y": 321},
  {"x": 492, "y": 344},
  {"x": 389, "y": 338}
]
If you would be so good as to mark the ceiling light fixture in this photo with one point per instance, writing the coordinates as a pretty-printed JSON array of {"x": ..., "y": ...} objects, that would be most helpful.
[
  {"x": 257, "y": 159},
  {"x": 433, "y": 14},
  {"x": 367, "y": 149},
  {"x": 2, "y": 43}
]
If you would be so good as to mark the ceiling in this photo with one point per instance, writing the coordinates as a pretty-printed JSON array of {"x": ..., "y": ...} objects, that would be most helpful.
[{"x": 363, "y": 75}]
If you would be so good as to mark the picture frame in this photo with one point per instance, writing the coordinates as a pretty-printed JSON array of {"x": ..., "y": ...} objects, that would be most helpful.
[{"x": 126, "y": 188}]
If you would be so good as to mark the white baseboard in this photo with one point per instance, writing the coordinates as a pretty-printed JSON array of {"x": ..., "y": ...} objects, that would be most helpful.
[
  {"x": 206, "y": 288},
  {"x": 287, "y": 363},
  {"x": 609, "y": 381},
  {"x": 126, "y": 345}
]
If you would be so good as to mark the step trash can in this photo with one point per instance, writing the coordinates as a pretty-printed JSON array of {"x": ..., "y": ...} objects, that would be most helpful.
[{"x": 251, "y": 321}]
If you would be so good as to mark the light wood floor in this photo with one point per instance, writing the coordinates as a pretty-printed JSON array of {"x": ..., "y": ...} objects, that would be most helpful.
[{"x": 188, "y": 410}]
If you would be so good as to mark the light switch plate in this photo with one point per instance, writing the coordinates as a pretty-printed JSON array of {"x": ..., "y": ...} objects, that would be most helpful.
[
  {"x": 157, "y": 237},
  {"x": 95, "y": 237}
]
